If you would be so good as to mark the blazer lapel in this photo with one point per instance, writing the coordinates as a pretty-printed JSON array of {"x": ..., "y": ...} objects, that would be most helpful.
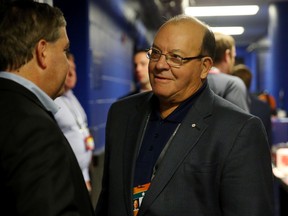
[
  {"x": 187, "y": 136},
  {"x": 135, "y": 127}
]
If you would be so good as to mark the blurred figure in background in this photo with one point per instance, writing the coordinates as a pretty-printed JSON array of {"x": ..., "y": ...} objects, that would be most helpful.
[
  {"x": 256, "y": 106},
  {"x": 72, "y": 120},
  {"x": 220, "y": 81},
  {"x": 268, "y": 98},
  {"x": 140, "y": 72}
]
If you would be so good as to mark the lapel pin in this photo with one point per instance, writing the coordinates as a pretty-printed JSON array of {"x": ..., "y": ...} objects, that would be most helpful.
[{"x": 193, "y": 125}]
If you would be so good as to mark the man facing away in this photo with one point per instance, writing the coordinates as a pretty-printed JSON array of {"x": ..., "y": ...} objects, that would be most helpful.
[
  {"x": 181, "y": 149},
  {"x": 39, "y": 171},
  {"x": 220, "y": 81}
]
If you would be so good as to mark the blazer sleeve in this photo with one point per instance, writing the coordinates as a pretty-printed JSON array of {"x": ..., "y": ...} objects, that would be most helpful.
[
  {"x": 248, "y": 172},
  {"x": 40, "y": 172}
]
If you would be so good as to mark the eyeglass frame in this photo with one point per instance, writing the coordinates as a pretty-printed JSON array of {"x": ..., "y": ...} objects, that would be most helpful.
[{"x": 200, "y": 56}]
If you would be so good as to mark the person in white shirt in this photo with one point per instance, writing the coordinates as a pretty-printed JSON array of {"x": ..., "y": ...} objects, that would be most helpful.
[{"x": 72, "y": 120}]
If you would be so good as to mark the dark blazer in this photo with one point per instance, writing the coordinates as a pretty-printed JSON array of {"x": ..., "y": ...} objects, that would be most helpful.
[
  {"x": 217, "y": 164},
  {"x": 263, "y": 111},
  {"x": 39, "y": 174},
  {"x": 136, "y": 91}
]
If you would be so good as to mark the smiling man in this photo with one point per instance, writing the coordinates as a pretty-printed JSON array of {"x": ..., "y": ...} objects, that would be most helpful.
[{"x": 181, "y": 149}]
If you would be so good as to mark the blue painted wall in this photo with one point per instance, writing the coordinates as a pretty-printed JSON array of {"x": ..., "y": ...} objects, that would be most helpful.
[
  {"x": 103, "y": 42},
  {"x": 278, "y": 67}
]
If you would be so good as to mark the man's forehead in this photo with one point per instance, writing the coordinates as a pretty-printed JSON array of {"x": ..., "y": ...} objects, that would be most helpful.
[
  {"x": 183, "y": 27},
  {"x": 182, "y": 33}
]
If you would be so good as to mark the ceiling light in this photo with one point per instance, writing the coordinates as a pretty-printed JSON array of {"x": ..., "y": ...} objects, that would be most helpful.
[
  {"x": 233, "y": 30},
  {"x": 222, "y": 10}
]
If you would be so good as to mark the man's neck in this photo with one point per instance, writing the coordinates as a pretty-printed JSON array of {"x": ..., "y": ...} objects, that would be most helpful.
[{"x": 223, "y": 68}]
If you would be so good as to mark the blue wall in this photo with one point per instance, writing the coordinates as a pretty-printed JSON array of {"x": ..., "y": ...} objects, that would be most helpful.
[
  {"x": 278, "y": 35},
  {"x": 103, "y": 42}
]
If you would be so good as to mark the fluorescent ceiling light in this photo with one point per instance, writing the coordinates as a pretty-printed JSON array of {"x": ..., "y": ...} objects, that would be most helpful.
[
  {"x": 222, "y": 10},
  {"x": 233, "y": 30}
]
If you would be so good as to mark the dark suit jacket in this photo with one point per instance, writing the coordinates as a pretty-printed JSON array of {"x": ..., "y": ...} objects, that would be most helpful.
[
  {"x": 39, "y": 174},
  {"x": 217, "y": 164},
  {"x": 263, "y": 111},
  {"x": 136, "y": 91}
]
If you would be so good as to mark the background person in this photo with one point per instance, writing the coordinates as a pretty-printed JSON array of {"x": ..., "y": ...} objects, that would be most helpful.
[
  {"x": 220, "y": 80},
  {"x": 72, "y": 120},
  {"x": 39, "y": 171},
  {"x": 256, "y": 106},
  {"x": 189, "y": 151},
  {"x": 268, "y": 98},
  {"x": 140, "y": 72}
]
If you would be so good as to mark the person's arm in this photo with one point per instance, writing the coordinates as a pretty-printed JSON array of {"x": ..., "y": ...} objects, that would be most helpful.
[
  {"x": 40, "y": 169},
  {"x": 247, "y": 183},
  {"x": 236, "y": 93},
  {"x": 67, "y": 122}
]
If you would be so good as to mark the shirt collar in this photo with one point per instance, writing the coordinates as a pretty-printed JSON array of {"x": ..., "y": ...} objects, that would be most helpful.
[
  {"x": 40, "y": 94},
  {"x": 214, "y": 70},
  {"x": 180, "y": 112}
]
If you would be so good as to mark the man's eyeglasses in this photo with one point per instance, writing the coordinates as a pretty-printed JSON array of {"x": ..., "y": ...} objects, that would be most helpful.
[{"x": 172, "y": 59}]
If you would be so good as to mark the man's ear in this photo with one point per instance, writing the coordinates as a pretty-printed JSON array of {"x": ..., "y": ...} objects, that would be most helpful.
[
  {"x": 41, "y": 53},
  {"x": 227, "y": 56},
  {"x": 206, "y": 65}
]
